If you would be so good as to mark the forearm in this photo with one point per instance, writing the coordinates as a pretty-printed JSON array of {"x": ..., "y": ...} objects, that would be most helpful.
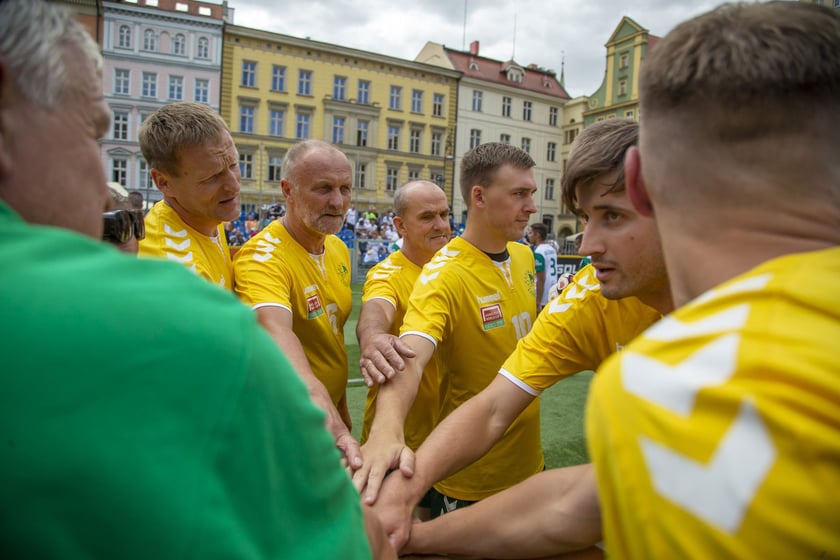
[
  {"x": 552, "y": 512},
  {"x": 374, "y": 319},
  {"x": 540, "y": 287}
]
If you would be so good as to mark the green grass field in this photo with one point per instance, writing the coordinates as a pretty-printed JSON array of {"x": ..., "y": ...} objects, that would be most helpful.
[{"x": 562, "y": 405}]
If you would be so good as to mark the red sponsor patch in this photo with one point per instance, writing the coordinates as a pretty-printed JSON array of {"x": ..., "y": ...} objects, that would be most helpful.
[
  {"x": 313, "y": 307},
  {"x": 491, "y": 316}
]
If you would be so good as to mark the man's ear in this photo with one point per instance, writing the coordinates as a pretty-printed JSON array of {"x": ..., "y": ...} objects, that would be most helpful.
[
  {"x": 477, "y": 195},
  {"x": 286, "y": 187},
  {"x": 399, "y": 225},
  {"x": 635, "y": 183},
  {"x": 161, "y": 181}
]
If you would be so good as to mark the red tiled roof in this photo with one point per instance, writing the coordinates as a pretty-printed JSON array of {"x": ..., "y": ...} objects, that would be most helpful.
[{"x": 495, "y": 71}]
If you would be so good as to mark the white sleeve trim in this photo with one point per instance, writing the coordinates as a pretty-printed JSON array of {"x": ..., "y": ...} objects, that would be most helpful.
[
  {"x": 286, "y": 307},
  {"x": 383, "y": 298},
  {"x": 519, "y": 383},
  {"x": 421, "y": 335}
]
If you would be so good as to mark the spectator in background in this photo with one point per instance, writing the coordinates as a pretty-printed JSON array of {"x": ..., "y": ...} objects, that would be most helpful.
[
  {"x": 136, "y": 201},
  {"x": 350, "y": 218},
  {"x": 545, "y": 257},
  {"x": 194, "y": 163},
  {"x": 123, "y": 225},
  {"x": 132, "y": 425}
]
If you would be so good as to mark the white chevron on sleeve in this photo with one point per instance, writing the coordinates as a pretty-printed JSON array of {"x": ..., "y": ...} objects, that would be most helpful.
[
  {"x": 261, "y": 257},
  {"x": 183, "y": 260},
  {"x": 721, "y": 491},
  {"x": 177, "y": 246},
  {"x": 676, "y": 387},
  {"x": 557, "y": 307},
  {"x": 169, "y": 231},
  {"x": 271, "y": 239},
  {"x": 426, "y": 278},
  {"x": 670, "y": 328},
  {"x": 746, "y": 285}
]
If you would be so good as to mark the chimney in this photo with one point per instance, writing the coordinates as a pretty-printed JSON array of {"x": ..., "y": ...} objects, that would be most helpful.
[{"x": 474, "y": 48}]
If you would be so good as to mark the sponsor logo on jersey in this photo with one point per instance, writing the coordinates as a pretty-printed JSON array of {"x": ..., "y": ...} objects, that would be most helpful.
[
  {"x": 343, "y": 274},
  {"x": 313, "y": 307},
  {"x": 489, "y": 299},
  {"x": 492, "y": 317}
]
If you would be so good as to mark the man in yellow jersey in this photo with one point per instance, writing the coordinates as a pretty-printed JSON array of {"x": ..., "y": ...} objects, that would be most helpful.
[
  {"x": 296, "y": 274},
  {"x": 606, "y": 306},
  {"x": 422, "y": 220},
  {"x": 470, "y": 305},
  {"x": 716, "y": 434},
  {"x": 194, "y": 163}
]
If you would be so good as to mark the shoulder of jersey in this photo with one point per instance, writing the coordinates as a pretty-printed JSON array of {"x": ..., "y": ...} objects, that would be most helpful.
[
  {"x": 584, "y": 284},
  {"x": 439, "y": 263},
  {"x": 264, "y": 244},
  {"x": 386, "y": 268}
]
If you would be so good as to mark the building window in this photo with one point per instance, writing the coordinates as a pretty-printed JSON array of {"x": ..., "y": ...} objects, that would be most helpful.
[
  {"x": 504, "y": 138},
  {"x": 246, "y": 166},
  {"x": 622, "y": 87},
  {"x": 121, "y": 81},
  {"x": 124, "y": 37},
  {"x": 278, "y": 78},
  {"x": 436, "y": 177},
  {"x": 363, "y": 94},
  {"x": 302, "y": 128},
  {"x": 149, "y": 85},
  {"x": 414, "y": 140},
  {"x": 416, "y": 101},
  {"x": 202, "y": 90},
  {"x": 119, "y": 170},
  {"x": 275, "y": 164},
  {"x": 179, "y": 44},
  {"x": 437, "y": 105},
  {"x": 395, "y": 100},
  {"x": 623, "y": 62},
  {"x": 339, "y": 88},
  {"x": 552, "y": 116},
  {"x": 551, "y": 152},
  {"x": 628, "y": 114},
  {"x": 392, "y": 176},
  {"x": 413, "y": 174},
  {"x": 203, "y": 48},
  {"x": 526, "y": 110},
  {"x": 548, "y": 220},
  {"x": 150, "y": 40},
  {"x": 305, "y": 82},
  {"x": 526, "y": 145},
  {"x": 249, "y": 73},
  {"x": 362, "y": 133},
  {"x": 549, "y": 189},
  {"x": 437, "y": 140},
  {"x": 361, "y": 172},
  {"x": 393, "y": 137},
  {"x": 120, "y": 125},
  {"x": 246, "y": 119},
  {"x": 144, "y": 178},
  {"x": 507, "y": 102},
  {"x": 569, "y": 136},
  {"x": 275, "y": 122},
  {"x": 476, "y": 100},
  {"x": 176, "y": 88},
  {"x": 338, "y": 130},
  {"x": 475, "y": 138}
]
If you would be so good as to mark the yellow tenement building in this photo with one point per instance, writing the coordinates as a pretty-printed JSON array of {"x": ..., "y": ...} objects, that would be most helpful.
[{"x": 394, "y": 118}]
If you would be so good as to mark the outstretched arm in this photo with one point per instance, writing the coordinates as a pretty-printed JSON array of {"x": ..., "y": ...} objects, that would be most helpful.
[
  {"x": 385, "y": 448},
  {"x": 278, "y": 322},
  {"x": 552, "y": 512},
  {"x": 382, "y": 354}
]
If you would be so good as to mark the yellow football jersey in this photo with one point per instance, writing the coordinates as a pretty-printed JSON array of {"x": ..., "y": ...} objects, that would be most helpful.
[
  {"x": 274, "y": 269},
  {"x": 575, "y": 332},
  {"x": 475, "y": 309},
  {"x": 168, "y": 237},
  {"x": 393, "y": 280},
  {"x": 716, "y": 434}
]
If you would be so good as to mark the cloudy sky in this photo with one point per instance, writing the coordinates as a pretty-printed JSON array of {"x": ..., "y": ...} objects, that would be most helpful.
[{"x": 545, "y": 30}]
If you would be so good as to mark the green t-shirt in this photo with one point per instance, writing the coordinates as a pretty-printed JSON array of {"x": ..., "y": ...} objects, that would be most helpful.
[{"x": 144, "y": 413}]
